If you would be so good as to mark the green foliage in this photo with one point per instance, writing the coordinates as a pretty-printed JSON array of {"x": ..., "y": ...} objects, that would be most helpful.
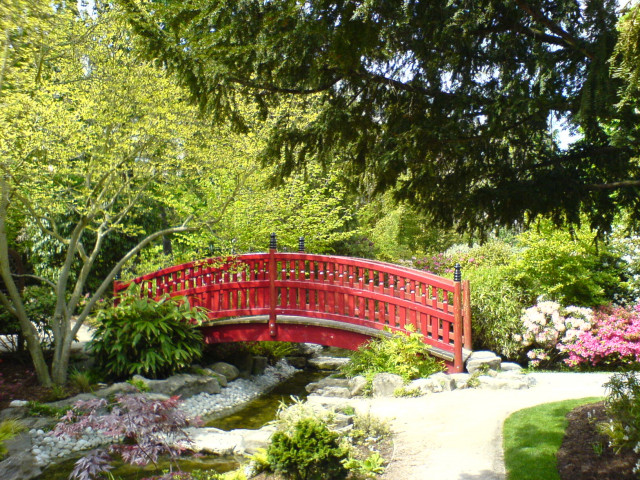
[
  {"x": 37, "y": 409},
  {"x": 402, "y": 354},
  {"x": 407, "y": 392},
  {"x": 147, "y": 337},
  {"x": 310, "y": 452},
  {"x": 569, "y": 268},
  {"x": 370, "y": 467},
  {"x": 367, "y": 426},
  {"x": 274, "y": 351},
  {"x": 473, "y": 150},
  {"x": 532, "y": 437},
  {"x": 622, "y": 405},
  {"x": 139, "y": 384},
  {"x": 39, "y": 303},
  {"x": 9, "y": 428},
  {"x": 81, "y": 380},
  {"x": 496, "y": 307}
]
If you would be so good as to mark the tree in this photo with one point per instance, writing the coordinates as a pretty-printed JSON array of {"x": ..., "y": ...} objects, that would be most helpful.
[
  {"x": 90, "y": 136},
  {"x": 450, "y": 104}
]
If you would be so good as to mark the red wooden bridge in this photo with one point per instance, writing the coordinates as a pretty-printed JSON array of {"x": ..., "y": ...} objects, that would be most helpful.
[{"x": 329, "y": 300}]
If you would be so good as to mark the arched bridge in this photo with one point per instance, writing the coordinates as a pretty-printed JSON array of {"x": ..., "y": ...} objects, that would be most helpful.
[{"x": 329, "y": 300}]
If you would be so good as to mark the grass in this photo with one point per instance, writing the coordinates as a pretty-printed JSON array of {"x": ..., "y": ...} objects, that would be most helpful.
[{"x": 532, "y": 437}]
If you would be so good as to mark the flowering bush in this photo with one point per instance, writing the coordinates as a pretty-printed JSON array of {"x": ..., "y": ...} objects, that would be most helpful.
[
  {"x": 548, "y": 328},
  {"x": 613, "y": 339}
]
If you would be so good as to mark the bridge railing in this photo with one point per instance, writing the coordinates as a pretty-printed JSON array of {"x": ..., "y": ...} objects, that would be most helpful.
[{"x": 350, "y": 290}]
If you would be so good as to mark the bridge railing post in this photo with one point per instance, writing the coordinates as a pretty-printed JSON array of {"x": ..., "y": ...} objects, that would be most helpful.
[
  {"x": 273, "y": 299},
  {"x": 458, "y": 365},
  {"x": 466, "y": 315}
]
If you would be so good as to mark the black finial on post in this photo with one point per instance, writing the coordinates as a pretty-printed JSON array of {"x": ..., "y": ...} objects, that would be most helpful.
[
  {"x": 301, "y": 245},
  {"x": 457, "y": 274},
  {"x": 273, "y": 243}
]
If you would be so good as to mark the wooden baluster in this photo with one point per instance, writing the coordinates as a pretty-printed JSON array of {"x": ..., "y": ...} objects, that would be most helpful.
[
  {"x": 331, "y": 295},
  {"x": 382, "y": 318},
  {"x": 341, "y": 295},
  {"x": 412, "y": 312},
  {"x": 351, "y": 298},
  {"x": 292, "y": 291},
  {"x": 392, "y": 305},
  {"x": 371, "y": 313},
  {"x": 322, "y": 297},
  {"x": 362, "y": 314},
  {"x": 402, "y": 317}
]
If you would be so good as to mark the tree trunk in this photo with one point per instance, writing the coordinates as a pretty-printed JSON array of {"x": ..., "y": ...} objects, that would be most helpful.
[{"x": 28, "y": 330}]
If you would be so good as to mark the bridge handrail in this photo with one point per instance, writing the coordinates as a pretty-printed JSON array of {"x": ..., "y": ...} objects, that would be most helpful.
[{"x": 350, "y": 290}]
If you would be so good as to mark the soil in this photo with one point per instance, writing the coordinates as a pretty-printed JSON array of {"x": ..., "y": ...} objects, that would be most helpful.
[
  {"x": 585, "y": 453},
  {"x": 18, "y": 381}
]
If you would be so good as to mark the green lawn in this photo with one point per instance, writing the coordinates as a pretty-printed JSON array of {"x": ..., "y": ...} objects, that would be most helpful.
[{"x": 532, "y": 437}]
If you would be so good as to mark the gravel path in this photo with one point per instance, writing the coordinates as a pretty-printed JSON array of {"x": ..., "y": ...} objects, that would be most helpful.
[{"x": 458, "y": 435}]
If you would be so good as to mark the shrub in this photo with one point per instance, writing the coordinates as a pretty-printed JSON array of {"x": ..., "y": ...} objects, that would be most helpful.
[
  {"x": 39, "y": 303},
  {"x": 399, "y": 353},
  {"x": 614, "y": 339},
  {"x": 147, "y": 337},
  {"x": 622, "y": 405},
  {"x": 310, "y": 452},
  {"x": 496, "y": 306},
  {"x": 147, "y": 428},
  {"x": 568, "y": 267},
  {"x": 547, "y": 328}
]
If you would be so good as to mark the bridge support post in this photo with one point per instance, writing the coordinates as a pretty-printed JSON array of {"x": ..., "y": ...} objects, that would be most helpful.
[
  {"x": 458, "y": 364},
  {"x": 466, "y": 315},
  {"x": 273, "y": 299}
]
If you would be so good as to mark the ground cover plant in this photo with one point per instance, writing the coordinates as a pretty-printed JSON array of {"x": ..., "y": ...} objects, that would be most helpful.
[{"x": 531, "y": 438}]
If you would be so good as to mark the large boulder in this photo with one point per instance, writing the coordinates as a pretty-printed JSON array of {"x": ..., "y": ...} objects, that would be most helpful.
[
  {"x": 184, "y": 385},
  {"x": 357, "y": 385},
  {"x": 483, "y": 360},
  {"x": 385, "y": 384},
  {"x": 215, "y": 441},
  {"x": 229, "y": 371},
  {"x": 327, "y": 363},
  {"x": 439, "y": 382},
  {"x": 259, "y": 365},
  {"x": 21, "y": 466}
]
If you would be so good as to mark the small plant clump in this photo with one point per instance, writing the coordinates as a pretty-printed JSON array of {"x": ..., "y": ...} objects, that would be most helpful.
[
  {"x": 8, "y": 429},
  {"x": 147, "y": 337},
  {"x": 310, "y": 452},
  {"x": 399, "y": 353}
]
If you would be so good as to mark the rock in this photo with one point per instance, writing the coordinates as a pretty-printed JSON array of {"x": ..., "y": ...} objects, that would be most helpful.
[
  {"x": 21, "y": 466},
  {"x": 327, "y": 363},
  {"x": 310, "y": 349},
  {"x": 253, "y": 440},
  {"x": 116, "y": 388},
  {"x": 19, "y": 443},
  {"x": 297, "y": 362},
  {"x": 222, "y": 380},
  {"x": 357, "y": 385},
  {"x": 18, "y": 403},
  {"x": 478, "y": 360},
  {"x": 329, "y": 391},
  {"x": 385, "y": 384},
  {"x": 68, "y": 402},
  {"x": 226, "y": 369},
  {"x": 185, "y": 385},
  {"x": 327, "y": 382},
  {"x": 13, "y": 412},
  {"x": 259, "y": 365},
  {"x": 510, "y": 367},
  {"x": 218, "y": 442},
  {"x": 439, "y": 382},
  {"x": 461, "y": 379}
]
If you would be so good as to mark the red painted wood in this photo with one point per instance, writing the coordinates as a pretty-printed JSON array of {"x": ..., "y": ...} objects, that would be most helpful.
[{"x": 348, "y": 290}]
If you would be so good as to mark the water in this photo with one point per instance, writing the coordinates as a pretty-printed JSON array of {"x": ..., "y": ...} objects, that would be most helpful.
[{"x": 262, "y": 410}]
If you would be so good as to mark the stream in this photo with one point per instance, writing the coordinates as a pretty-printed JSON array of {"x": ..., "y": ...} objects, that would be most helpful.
[{"x": 251, "y": 416}]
